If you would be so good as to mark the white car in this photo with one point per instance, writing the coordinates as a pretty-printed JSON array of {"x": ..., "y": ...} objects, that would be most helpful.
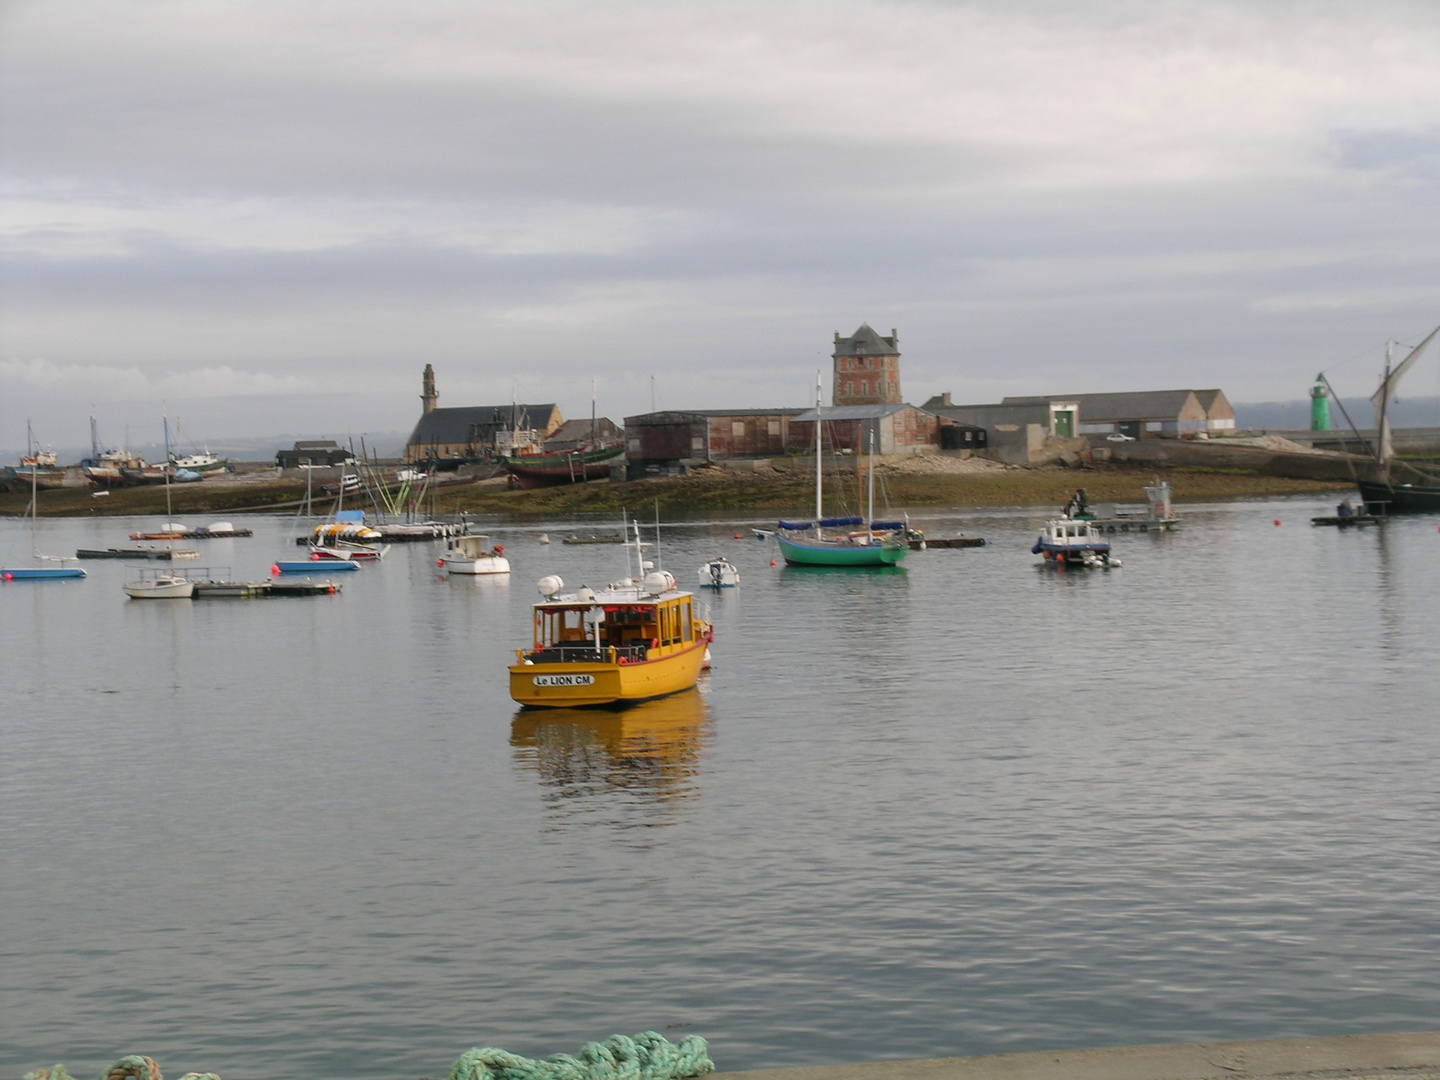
[{"x": 1119, "y": 437}]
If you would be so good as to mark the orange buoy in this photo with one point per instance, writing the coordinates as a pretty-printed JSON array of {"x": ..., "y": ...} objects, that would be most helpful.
[
  {"x": 772, "y": 562},
  {"x": 1277, "y": 521},
  {"x": 275, "y": 571},
  {"x": 439, "y": 562},
  {"x": 737, "y": 536}
]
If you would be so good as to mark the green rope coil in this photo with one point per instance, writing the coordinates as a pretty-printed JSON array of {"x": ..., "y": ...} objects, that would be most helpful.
[{"x": 648, "y": 1056}]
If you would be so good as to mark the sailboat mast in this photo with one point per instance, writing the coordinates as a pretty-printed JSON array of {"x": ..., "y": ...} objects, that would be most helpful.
[
  {"x": 1382, "y": 437},
  {"x": 34, "y": 504},
  {"x": 870, "y": 513},
  {"x": 819, "y": 389}
]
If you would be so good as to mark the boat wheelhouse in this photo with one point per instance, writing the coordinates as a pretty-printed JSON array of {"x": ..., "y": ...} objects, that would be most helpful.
[
  {"x": 1070, "y": 541},
  {"x": 629, "y": 642},
  {"x": 474, "y": 555}
]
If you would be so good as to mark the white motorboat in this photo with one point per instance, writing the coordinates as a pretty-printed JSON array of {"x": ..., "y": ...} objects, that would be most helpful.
[
  {"x": 1073, "y": 542},
  {"x": 159, "y": 587},
  {"x": 474, "y": 555},
  {"x": 719, "y": 573}
]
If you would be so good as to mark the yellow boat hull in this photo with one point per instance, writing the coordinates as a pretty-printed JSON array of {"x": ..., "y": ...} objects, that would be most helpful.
[{"x": 572, "y": 685}]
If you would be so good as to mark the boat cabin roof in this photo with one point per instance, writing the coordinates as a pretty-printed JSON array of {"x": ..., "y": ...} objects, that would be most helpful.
[{"x": 616, "y": 595}]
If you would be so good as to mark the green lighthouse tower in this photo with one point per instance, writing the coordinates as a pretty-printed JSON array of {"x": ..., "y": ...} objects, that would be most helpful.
[{"x": 1319, "y": 405}]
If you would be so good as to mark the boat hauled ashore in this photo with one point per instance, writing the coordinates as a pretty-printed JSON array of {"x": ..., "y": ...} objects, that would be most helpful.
[{"x": 632, "y": 641}]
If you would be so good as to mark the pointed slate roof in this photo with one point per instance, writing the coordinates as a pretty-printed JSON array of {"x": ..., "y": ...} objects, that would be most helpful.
[
  {"x": 866, "y": 342},
  {"x": 442, "y": 427}
]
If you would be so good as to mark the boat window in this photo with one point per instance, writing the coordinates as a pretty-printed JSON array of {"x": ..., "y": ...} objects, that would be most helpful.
[
  {"x": 685, "y": 624},
  {"x": 541, "y": 637}
]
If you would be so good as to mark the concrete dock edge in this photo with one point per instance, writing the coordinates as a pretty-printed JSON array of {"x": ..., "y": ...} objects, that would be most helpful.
[{"x": 1414, "y": 1056}]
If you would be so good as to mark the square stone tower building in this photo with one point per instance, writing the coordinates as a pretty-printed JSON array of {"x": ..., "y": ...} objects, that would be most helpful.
[{"x": 867, "y": 368}]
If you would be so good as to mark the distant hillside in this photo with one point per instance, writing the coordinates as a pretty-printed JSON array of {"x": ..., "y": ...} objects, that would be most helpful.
[
  {"x": 1295, "y": 415},
  {"x": 387, "y": 444}
]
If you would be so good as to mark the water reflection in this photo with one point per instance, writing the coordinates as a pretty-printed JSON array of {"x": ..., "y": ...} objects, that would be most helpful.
[{"x": 645, "y": 757}]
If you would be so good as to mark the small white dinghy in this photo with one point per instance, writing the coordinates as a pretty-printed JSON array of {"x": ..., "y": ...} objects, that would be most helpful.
[
  {"x": 719, "y": 573},
  {"x": 474, "y": 555},
  {"x": 152, "y": 585}
]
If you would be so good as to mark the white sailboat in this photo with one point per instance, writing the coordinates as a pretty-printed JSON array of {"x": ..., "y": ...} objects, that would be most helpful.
[{"x": 161, "y": 584}]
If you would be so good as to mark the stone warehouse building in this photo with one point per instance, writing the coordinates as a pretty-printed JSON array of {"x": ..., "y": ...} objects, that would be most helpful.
[{"x": 660, "y": 443}]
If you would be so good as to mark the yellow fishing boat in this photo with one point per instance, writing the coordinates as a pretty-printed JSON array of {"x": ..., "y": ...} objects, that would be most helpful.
[{"x": 629, "y": 642}]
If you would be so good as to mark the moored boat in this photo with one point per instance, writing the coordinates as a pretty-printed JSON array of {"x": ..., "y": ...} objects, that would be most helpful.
[
  {"x": 313, "y": 565},
  {"x": 719, "y": 573},
  {"x": 1066, "y": 541},
  {"x": 159, "y": 586},
  {"x": 44, "y": 567},
  {"x": 869, "y": 546},
  {"x": 347, "y": 532},
  {"x": 1386, "y": 493},
  {"x": 632, "y": 641},
  {"x": 474, "y": 555}
]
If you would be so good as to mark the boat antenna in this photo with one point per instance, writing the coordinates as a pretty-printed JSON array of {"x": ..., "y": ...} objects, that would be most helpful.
[
  {"x": 819, "y": 389},
  {"x": 94, "y": 438},
  {"x": 657, "y": 532}
]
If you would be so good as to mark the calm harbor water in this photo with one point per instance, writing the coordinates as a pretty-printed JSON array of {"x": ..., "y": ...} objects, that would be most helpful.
[{"x": 966, "y": 806}]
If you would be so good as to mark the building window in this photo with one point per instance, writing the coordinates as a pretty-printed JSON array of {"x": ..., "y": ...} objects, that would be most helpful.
[
  {"x": 737, "y": 429},
  {"x": 772, "y": 427}
]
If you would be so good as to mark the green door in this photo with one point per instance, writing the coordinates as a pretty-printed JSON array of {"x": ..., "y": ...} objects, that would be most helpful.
[{"x": 1064, "y": 424}]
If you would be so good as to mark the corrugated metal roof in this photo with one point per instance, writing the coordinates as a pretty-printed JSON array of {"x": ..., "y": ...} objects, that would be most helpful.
[
  {"x": 579, "y": 430},
  {"x": 441, "y": 427},
  {"x": 1099, "y": 408},
  {"x": 673, "y": 416},
  {"x": 855, "y": 412}
]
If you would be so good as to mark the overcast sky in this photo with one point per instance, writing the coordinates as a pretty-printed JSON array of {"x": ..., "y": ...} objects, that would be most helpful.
[{"x": 272, "y": 215}]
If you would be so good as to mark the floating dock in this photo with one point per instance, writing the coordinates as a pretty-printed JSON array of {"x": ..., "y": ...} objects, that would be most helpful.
[
  {"x": 194, "y": 534},
  {"x": 947, "y": 542},
  {"x": 262, "y": 589},
  {"x": 162, "y": 554},
  {"x": 1353, "y": 1057},
  {"x": 1134, "y": 524},
  {"x": 1356, "y": 520}
]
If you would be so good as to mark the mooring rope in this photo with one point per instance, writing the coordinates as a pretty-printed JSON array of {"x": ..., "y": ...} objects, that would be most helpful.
[{"x": 648, "y": 1056}]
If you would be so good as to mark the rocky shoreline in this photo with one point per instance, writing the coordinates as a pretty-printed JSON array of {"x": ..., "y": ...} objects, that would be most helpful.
[{"x": 785, "y": 487}]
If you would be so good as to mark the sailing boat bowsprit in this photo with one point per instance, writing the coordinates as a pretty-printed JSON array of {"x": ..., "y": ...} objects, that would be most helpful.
[
  {"x": 805, "y": 543},
  {"x": 59, "y": 570}
]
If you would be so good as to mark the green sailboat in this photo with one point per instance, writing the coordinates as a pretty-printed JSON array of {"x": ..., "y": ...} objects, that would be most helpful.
[{"x": 805, "y": 543}]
